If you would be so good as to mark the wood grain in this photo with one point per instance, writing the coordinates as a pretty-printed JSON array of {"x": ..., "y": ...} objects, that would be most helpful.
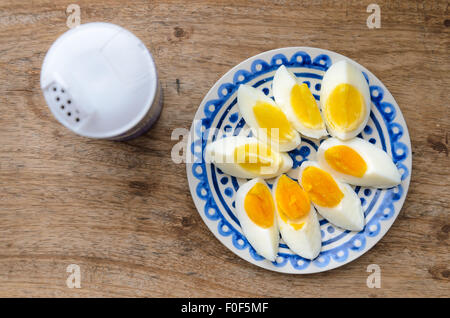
[{"x": 123, "y": 211}]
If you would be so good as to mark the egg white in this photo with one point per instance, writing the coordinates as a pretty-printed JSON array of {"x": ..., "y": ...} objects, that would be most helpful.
[
  {"x": 283, "y": 81},
  {"x": 348, "y": 214},
  {"x": 264, "y": 240},
  {"x": 344, "y": 72},
  {"x": 247, "y": 97},
  {"x": 221, "y": 154},
  {"x": 307, "y": 241},
  {"x": 381, "y": 170}
]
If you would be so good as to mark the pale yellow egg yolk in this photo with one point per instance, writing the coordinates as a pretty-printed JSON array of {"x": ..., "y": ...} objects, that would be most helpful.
[
  {"x": 305, "y": 106},
  {"x": 322, "y": 189},
  {"x": 346, "y": 160},
  {"x": 258, "y": 205},
  {"x": 345, "y": 108},
  {"x": 256, "y": 158},
  {"x": 271, "y": 117},
  {"x": 292, "y": 202}
]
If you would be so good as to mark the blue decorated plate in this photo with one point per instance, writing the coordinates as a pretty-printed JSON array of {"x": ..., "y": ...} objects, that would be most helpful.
[{"x": 214, "y": 192}]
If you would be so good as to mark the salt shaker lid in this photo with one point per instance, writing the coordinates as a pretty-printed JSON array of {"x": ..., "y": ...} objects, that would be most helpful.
[{"x": 99, "y": 80}]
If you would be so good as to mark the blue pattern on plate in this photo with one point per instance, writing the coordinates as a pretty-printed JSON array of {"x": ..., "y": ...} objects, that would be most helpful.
[{"x": 340, "y": 252}]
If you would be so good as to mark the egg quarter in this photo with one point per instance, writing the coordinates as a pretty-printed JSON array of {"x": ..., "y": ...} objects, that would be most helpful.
[
  {"x": 358, "y": 162},
  {"x": 297, "y": 219},
  {"x": 247, "y": 157},
  {"x": 266, "y": 119},
  {"x": 335, "y": 201},
  {"x": 345, "y": 100},
  {"x": 298, "y": 103},
  {"x": 255, "y": 211}
]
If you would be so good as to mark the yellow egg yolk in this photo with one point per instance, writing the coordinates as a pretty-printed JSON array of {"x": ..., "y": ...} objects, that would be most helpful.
[
  {"x": 345, "y": 108},
  {"x": 305, "y": 106},
  {"x": 346, "y": 160},
  {"x": 292, "y": 202},
  {"x": 271, "y": 117},
  {"x": 256, "y": 158},
  {"x": 322, "y": 189},
  {"x": 258, "y": 205}
]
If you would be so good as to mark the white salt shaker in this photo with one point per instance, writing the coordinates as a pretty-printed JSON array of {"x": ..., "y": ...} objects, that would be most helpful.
[{"x": 100, "y": 81}]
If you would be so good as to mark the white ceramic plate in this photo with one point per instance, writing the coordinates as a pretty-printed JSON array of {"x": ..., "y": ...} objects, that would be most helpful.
[{"x": 213, "y": 191}]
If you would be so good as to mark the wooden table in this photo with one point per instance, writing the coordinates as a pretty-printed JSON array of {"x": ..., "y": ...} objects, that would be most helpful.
[{"x": 123, "y": 211}]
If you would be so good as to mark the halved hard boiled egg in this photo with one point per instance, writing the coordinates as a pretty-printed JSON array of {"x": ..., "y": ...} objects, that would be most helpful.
[
  {"x": 358, "y": 162},
  {"x": 256, "y": 213},
  {"x": 345, "y": 100},
  {"x": 298, "y": 103},
  {"x": 297, "y": 219},
  {"x": 266, "y": 119},
  {"x": 334, "y": 200},
  {"x": 247, "y": 157}
]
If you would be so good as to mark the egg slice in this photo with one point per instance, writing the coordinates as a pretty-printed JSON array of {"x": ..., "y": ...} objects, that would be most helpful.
[
  {"x": 296, "y": 217},
  {"x": 358, "y": 162},
  {"x": 345, "y": 100},
  {"x": 256, "y": 213},
  {"x": 334, "y": 200},
  {"x": 298, "y": 103},
  {"x": 247, "y": 157},
  {"x": 266, "y": 119}
]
